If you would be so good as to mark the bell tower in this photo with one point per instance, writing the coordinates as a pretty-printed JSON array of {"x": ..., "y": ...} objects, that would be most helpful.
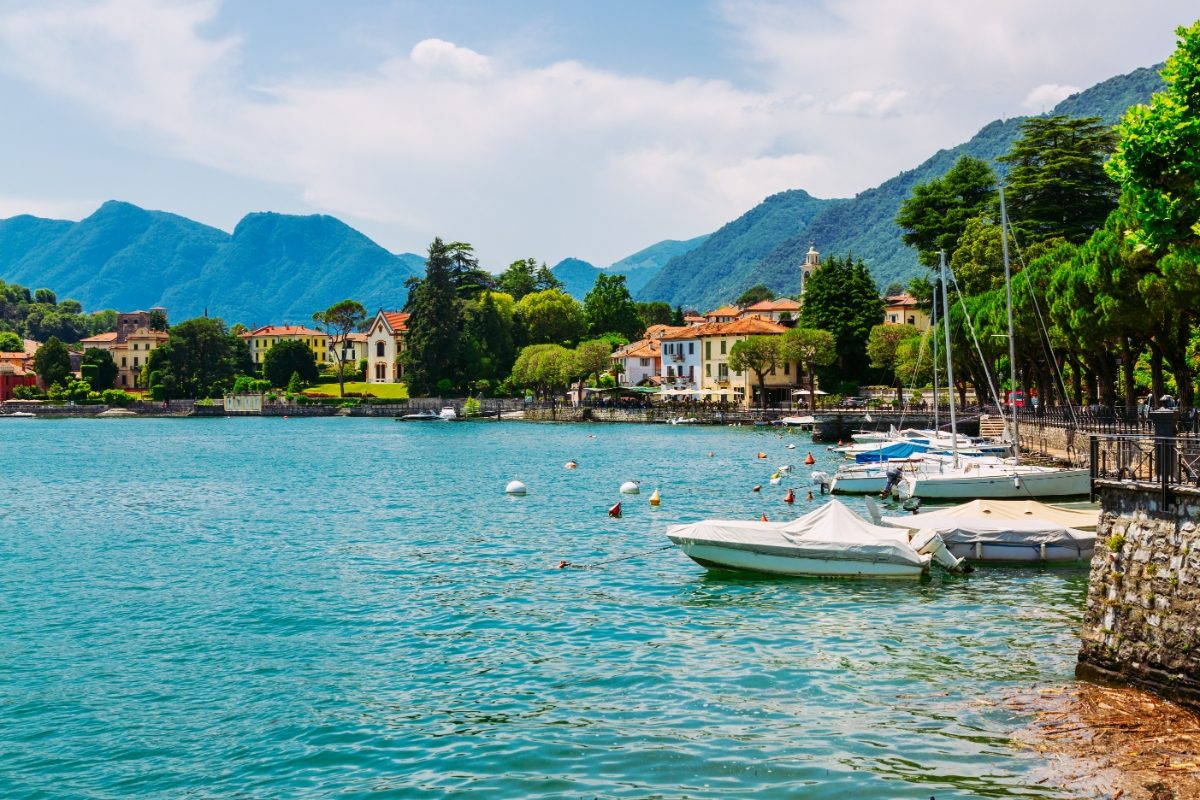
[{"x": 812, "y": 260}]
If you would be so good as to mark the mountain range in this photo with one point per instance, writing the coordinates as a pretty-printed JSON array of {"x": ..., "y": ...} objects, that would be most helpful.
[{"x": 281, "y": 268}]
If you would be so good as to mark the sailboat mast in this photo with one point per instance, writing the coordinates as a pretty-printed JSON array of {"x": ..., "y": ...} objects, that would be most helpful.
[
  {"x": 949, "y": 363},
  {"x": 933, "y": 332},
  {"x": 1012, "y": 346}
]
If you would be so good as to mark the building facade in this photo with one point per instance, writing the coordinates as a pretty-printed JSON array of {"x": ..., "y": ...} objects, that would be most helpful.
[
  {"x": 385, "y": 345},
  {"x": 263, "y": 339},
  {"x": 904, "y": 309},
  {"x": 130, "y": 345}
]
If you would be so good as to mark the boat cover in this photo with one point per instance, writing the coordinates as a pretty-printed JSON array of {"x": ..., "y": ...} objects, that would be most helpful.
[
  {"x": 832, "y": 531},
  {"x": 895, "y": 450},
  {"x": 1006, "y": 510}
]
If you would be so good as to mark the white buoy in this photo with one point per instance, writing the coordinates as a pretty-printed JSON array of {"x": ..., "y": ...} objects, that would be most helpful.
[
  {"x": 515, "y": 488},
  {"x": 630, "y": 487}
]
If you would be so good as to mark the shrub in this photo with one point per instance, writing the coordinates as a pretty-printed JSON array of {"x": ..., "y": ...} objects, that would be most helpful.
[
  {"x": 27, "y": 393},
  {"x": 472, "y": 407},
  {"x": 1115, "y": 542},
  {"x": 116, "y": 397}
]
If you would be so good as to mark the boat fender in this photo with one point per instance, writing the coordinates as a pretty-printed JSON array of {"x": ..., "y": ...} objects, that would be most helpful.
[
  {"x": 809, "y": 460},
  {"x": 630, "y": 487},
  {"x": 655, "y": 498},
  {"x": 515, "y": 488},
  {"x": 790, "y": 497},
  {"x": 615, "y": 511}
]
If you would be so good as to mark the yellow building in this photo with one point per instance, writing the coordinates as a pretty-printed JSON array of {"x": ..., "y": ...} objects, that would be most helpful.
[
  {"x": 130, "y": 350},
  {"x": 718, "y": 382},
  {"x": 263, "y": 339},
  {"x": 904, "y": 309}
]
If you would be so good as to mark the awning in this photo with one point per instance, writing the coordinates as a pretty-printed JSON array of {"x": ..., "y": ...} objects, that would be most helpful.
[{"x": 805, "y": 392}]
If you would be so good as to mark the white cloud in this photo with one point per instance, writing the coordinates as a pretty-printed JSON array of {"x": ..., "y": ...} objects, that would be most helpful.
[
  {"x": 563, "y": 158},
  {"x": 1047, "y": 96}
]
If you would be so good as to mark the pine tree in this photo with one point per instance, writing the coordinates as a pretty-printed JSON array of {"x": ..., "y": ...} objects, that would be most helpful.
[
  {"x": 432, "y": 352},
  {"x": 841, "y": 297}
]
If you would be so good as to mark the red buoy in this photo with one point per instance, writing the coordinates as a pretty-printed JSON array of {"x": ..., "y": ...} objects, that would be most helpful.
[
  {"x": 790, "y": 497},
  {"x": 809, "y": 460},
  {"x": 615, "y": 511},
  {"x": 757, "y": 488},
  {"x": 764, "y": 516}
]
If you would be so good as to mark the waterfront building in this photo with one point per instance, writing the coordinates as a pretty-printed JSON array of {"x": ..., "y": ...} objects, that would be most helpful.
[
  {"x": 723, "y": 314},
  {"x": 129, "y": 345},
  {"x": 264, "y": 338},
  {"x": 680, "y": 359},
  {"x": 719, "y": 382},
  {"x": 385, "y": 344},
  {"x": 904, "y": 309},
  {"x": 638, "y": 361},
  {"x": 13, "y": 375},
  {"x": 354, "y": 349}
]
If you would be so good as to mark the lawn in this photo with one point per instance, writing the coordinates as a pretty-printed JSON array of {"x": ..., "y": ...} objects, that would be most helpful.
[{"x": 391, "y": 391}]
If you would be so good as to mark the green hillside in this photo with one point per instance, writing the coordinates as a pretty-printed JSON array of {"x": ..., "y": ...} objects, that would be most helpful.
[
  {"x": 579, "y": 276},
  {"x": 273, "y": 268},
  {"x": 747, "y": 251}
]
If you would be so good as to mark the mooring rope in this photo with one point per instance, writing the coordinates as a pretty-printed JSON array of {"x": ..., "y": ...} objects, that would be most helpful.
[{"x": 566, "y": 564}]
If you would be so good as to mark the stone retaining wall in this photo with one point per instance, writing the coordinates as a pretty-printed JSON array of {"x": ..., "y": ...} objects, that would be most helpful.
[{"x": 1142, "y": 622}]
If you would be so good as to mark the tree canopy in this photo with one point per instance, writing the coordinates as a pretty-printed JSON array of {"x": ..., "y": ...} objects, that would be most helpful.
[
  {"x": 286, "y": 358},
  {"x": 551, "y": 316},
  {"x": 103, "y": 370},
  {"x": 756, "y": 293},
  {"x": 338, "y": 322},
  {"x": 840, "y": 297},
  {"x": 200, "y": 359},
  {"x": 432, "y": 352},
  {"x": 811, "y": 347},
  {"x": 52, "y": 363},
  {"x": 757, "y": 354},
  {"x": 608, "y": 307},
  {"x": 936, "y": 214}
]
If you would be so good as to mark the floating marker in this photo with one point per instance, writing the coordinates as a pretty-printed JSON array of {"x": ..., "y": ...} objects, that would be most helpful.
[
  {"x": 515, "y": 488},
  {"x": 810, "y": 497},
  {"x": 711, "y": 453},
  {"x": 764, "y": 517},
  {"x": 809, "y": 460},
  {"x": 656, "y": 498},
  {"x": 791, "y": 447},
  {"x": 757, "y": 488},
  {"x": 615, "y": 511},
  {"x": 790, "y": 497},
  {"x": 570, "y": 465},
  {"x": 762, "y": 455},
  {"x": 630, "y": 487}
]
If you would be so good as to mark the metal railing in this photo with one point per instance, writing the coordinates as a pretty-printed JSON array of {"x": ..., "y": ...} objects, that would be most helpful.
[{"x": 1164, "y": 463}]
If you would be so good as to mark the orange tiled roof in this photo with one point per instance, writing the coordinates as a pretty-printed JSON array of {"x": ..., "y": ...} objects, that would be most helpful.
[
  {"x": 643, "y": 348},
  {"x": 902, "y": 299},
  {"x": 779, "y": 304},
  {"x": 352, "y": 337},
  {"x": 31, "y": 345},
  {"x": 750, "y": 326},
  {"x": 724, "y": 311},
  {"x": 8, "y": 368},
  {"x": 100, "y": 338},
  {"x": 397, "y": 319},
  {"x": 281, "y": 330}
]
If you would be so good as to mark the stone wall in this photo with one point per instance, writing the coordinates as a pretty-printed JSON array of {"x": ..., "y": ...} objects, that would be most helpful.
[{"x": 1142, "y": 623}]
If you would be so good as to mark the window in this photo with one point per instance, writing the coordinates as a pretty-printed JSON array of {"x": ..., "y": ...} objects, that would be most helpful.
[
  {"x": 670, "y": 372},
  {"x": 380, "y": 371},
  {"x": 691, "y": 348},
  {"x": 787, "y": 368},
  {"x": 135, "y": 361},
  {"x": 722, "y": 372},
  {"x": 645, "y": 362},
  {"x": 123, "y": 380},
  {"x": 692, "y": 373},
  {"x": 912, "y": 320},
  {"x": 123, "y": 361},
  {"x": 379, "y": 349},
  {"x": 722, "y": 347},
  {"x": 708, "y": 349},
  {"x": 892, "y": 317},
  {"x": 708, "y": 370}
]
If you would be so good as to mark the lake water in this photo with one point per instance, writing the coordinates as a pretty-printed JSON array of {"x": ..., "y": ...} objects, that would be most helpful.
[{"x": 352, "y": 608}]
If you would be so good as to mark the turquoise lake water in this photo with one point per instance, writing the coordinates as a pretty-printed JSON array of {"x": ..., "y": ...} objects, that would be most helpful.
[{"x": 352, "y": 608}]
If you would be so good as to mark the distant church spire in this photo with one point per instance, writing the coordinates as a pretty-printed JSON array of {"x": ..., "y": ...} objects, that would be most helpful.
[{"x": 812, "y": 260}]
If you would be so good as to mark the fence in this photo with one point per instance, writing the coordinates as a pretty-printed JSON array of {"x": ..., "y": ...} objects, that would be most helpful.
[{"x": 1168, "y": 463}]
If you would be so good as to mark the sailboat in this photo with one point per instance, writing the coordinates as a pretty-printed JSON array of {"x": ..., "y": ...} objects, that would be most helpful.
[{"x": 1002, "y": 481}]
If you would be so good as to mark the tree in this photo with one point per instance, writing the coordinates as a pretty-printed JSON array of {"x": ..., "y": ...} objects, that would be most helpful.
[
  {"x": 11, "y": 343},
  {"x": 466, "y": 276},
  {"x": 546, "y": 279},
  {"x": 432, "y": 351},
  {"x": 551, "y": 316},
  {"x": 338, "y": 322},
  {"x": 519, "y": 279},
  {"x": 757, "y": 354},
  {"x": 756, "y": 293},
  {"x": 1057, "y": 186},
  {"x": 488, "y": 345},
  {"x": 52, "y": 362},
  {"x": 592, "y": 358},
  {"x": 200, "y": 359},
  {"x": 103, "y": 374},
  {"x": 811, "y": 347},
  {"x": 655, "y": 312},
  {"x": 158, "y": 320},
  {"x": 883, "y": 348},
  {"x": 840, "y": 297},
  {"x": 45, "y": 296},
  {"x": 677, "y": 319},
  {"x": 609, "y": 307},
  {"x": 287, "y": 357},
  {"x": 1155, "y": 158},
  {"x": 543, "y": 368},
  {"x": 936, "y": 214}
]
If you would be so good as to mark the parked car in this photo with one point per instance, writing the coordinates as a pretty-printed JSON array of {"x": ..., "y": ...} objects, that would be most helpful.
[{"x": 855, "y": 402}]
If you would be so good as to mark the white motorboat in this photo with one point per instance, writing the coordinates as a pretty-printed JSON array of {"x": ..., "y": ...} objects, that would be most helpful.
[
  {"x": 831, "y": 541},
  {"x": 19, "y": 414},
  {"x": 798, "y": 421},
  {"x": 448, "y": 414},
  {"x": 1012, "y": 531},
  {"x": 996, "y": 482},
  {"x": 683, "y": 421},
  {"x": 420, "y": 416},
  {"x": 874, "y": 478}
]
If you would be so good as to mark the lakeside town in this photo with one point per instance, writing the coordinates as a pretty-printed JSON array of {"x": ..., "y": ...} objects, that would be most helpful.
[{"x": 933, "y": 536}]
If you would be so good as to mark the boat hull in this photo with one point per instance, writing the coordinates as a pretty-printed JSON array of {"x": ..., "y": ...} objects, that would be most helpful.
[
  {"x": 773, "y": 561},
  {"x": 998, "y": 486},
  {"x": 1013, "y": 553}
]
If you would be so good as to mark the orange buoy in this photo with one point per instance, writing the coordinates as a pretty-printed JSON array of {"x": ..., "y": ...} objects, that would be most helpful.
[
  {"x": 809, "y": 460},
  {"x": 764, "y": 517},
  {"x": 762, "y": 455},
  {"x": 757, "y": 488},
  {"x": 615, "y": 511},
  {"x": 790, "y": 497},
  {"x": 656, "y": 498}
]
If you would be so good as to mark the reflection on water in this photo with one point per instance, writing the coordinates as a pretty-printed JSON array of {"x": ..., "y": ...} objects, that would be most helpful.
[{"x": 345, "y": 607}]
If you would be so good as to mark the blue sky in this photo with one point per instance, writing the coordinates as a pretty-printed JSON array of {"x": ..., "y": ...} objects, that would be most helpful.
[{"x": 531, "y": 129}]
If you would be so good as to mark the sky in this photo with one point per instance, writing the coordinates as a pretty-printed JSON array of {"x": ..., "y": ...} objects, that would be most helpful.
[{"x": 538, "y": 129}]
